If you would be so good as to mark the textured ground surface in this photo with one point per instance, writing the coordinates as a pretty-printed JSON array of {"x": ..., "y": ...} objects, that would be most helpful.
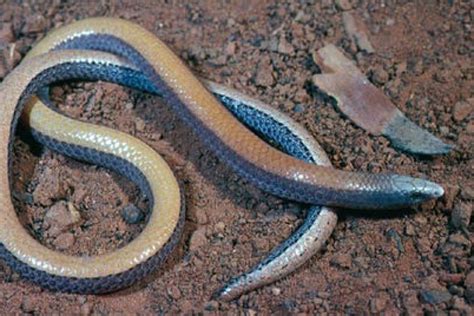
[{"x": 409, "y": 260}]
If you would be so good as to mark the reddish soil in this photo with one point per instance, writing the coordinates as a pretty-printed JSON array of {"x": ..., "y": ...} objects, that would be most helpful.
[{"x": 410, "y": 261}]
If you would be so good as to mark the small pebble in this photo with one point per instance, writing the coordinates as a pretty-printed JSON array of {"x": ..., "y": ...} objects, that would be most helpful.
[
  {"x": 343, "y": 5},
  {"x": 212, "y": 306},
  {"x": 342, "y": 260},
  {"x": 450, "y": 193},
  {"x": 28, "y": 305},
  {"x": 410, "y": 230},
  {"x": 262, "y": 207},
  {"x": 198, "y": 239},
  {"x": 467, "y": 192},
  {"x": 469, "y": 285},
  {"x": 379, "y": 76},
  {"x": 390, "y": 22},
  {"x": 461, "y": 305},
  {"x": 58, "y": 218},
  {"x": 461, "y": 215},
  {"x": 86, "y": 309},
  {"x": 298, "y": 108},
  {"x": 6, "y": 34},
  {"x": 285, "y": 48},
  {"x": 264, "y": 73},
  {"x": 462, "y": 109},
  {"x": 174, "y": 292},
  {"x": 435, "y": 296},
  {"x": 35, "y": 24},
  {"x": 64, "y": 241},
  {"x": 276, "y": 291},
  {"x": 140, "y": 124},
  {"x": 456, "y": 290},
  {"x": 378, "y": 304},
  {"x": 459, "y": 239},
  {"x": 131, "y": 214},
  {"x": 220, "y": 226},
  {"x": 199, "y": 217}
]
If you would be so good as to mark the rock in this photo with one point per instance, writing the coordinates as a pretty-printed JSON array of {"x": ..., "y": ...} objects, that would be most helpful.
[
  {"x": 411, "y": 303},
  {"x": 187, "y": 306},
  {"x": 461, "y": 215},
  {"x": 460, "y": 305},
  {"x": 262, "y": 207},
  {"x": 470, "y": 128},
  {"x": 261, "y": 246},
  {"x": 298, "y": 108},
  {"x": 80, "y": 192},
  {"x": 469, "y": 285},
  {"x": 264, "y": 75},
  {"x": 198, "y": 239},
  {"x": 344, "y": 5},
  {"x": 456, "y": 290},
  {"x": 218, "y": 61},
  {"x": 35, "y": 24},
  {"x": 140, "y": 124},
  {"x": 64, "y": 241},
  {"x": 28, "y": 305},
  {"x": 450, "y": 193},
  {"x": 410, "y": 230},
  {"x": 212, "y": 306},
  {"x": 421, "y": 219},
  {"x": 423, "y": 245},
  {"x": 49, "y": 188},
  {"x": 418, "y": 67},
  {"x": 174, "y": 292},
  {"x": 379, "y": 76},
  {"x": 276, "y": 291},
  {"x": 59, "y": 218},
  {"x": 378, "y": 304},
  {"x": 199, "y": 217},
  {"x": 459, "y": 239},
  {"x": 230, "y": 22},
  {"x": 467, "y": 193},
  {"x": 451, "y": 278},
  {"x": 231, "y": 48},
  {"x": 342, "y": 260},
  {"x": 131, "y": 214},
  {"x": 435, "y": 296},
  {"x": 301, "y": 96},
  {"x": 251, "y": 312},
  {"x": 444, "y": 130},
  {"x": 362, "y": 262},
  {"x": 462, "y": 109},
  {"x": 393, "y": 234},
  {"x": 284, "y": 47},
  {"x": 443, "y": 76},
  {"x": 220, "y": 226},
  {"x": 86, "y": 309},
  {"x": 302, "y": 17},
  {"x": 6, "y": 34}
]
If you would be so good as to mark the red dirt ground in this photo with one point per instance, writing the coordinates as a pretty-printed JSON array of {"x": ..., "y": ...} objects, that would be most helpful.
[{"x": 410, "y": 261}]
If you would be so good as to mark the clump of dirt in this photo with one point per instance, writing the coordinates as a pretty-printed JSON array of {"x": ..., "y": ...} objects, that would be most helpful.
[{"x": 410, "y": 261}]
